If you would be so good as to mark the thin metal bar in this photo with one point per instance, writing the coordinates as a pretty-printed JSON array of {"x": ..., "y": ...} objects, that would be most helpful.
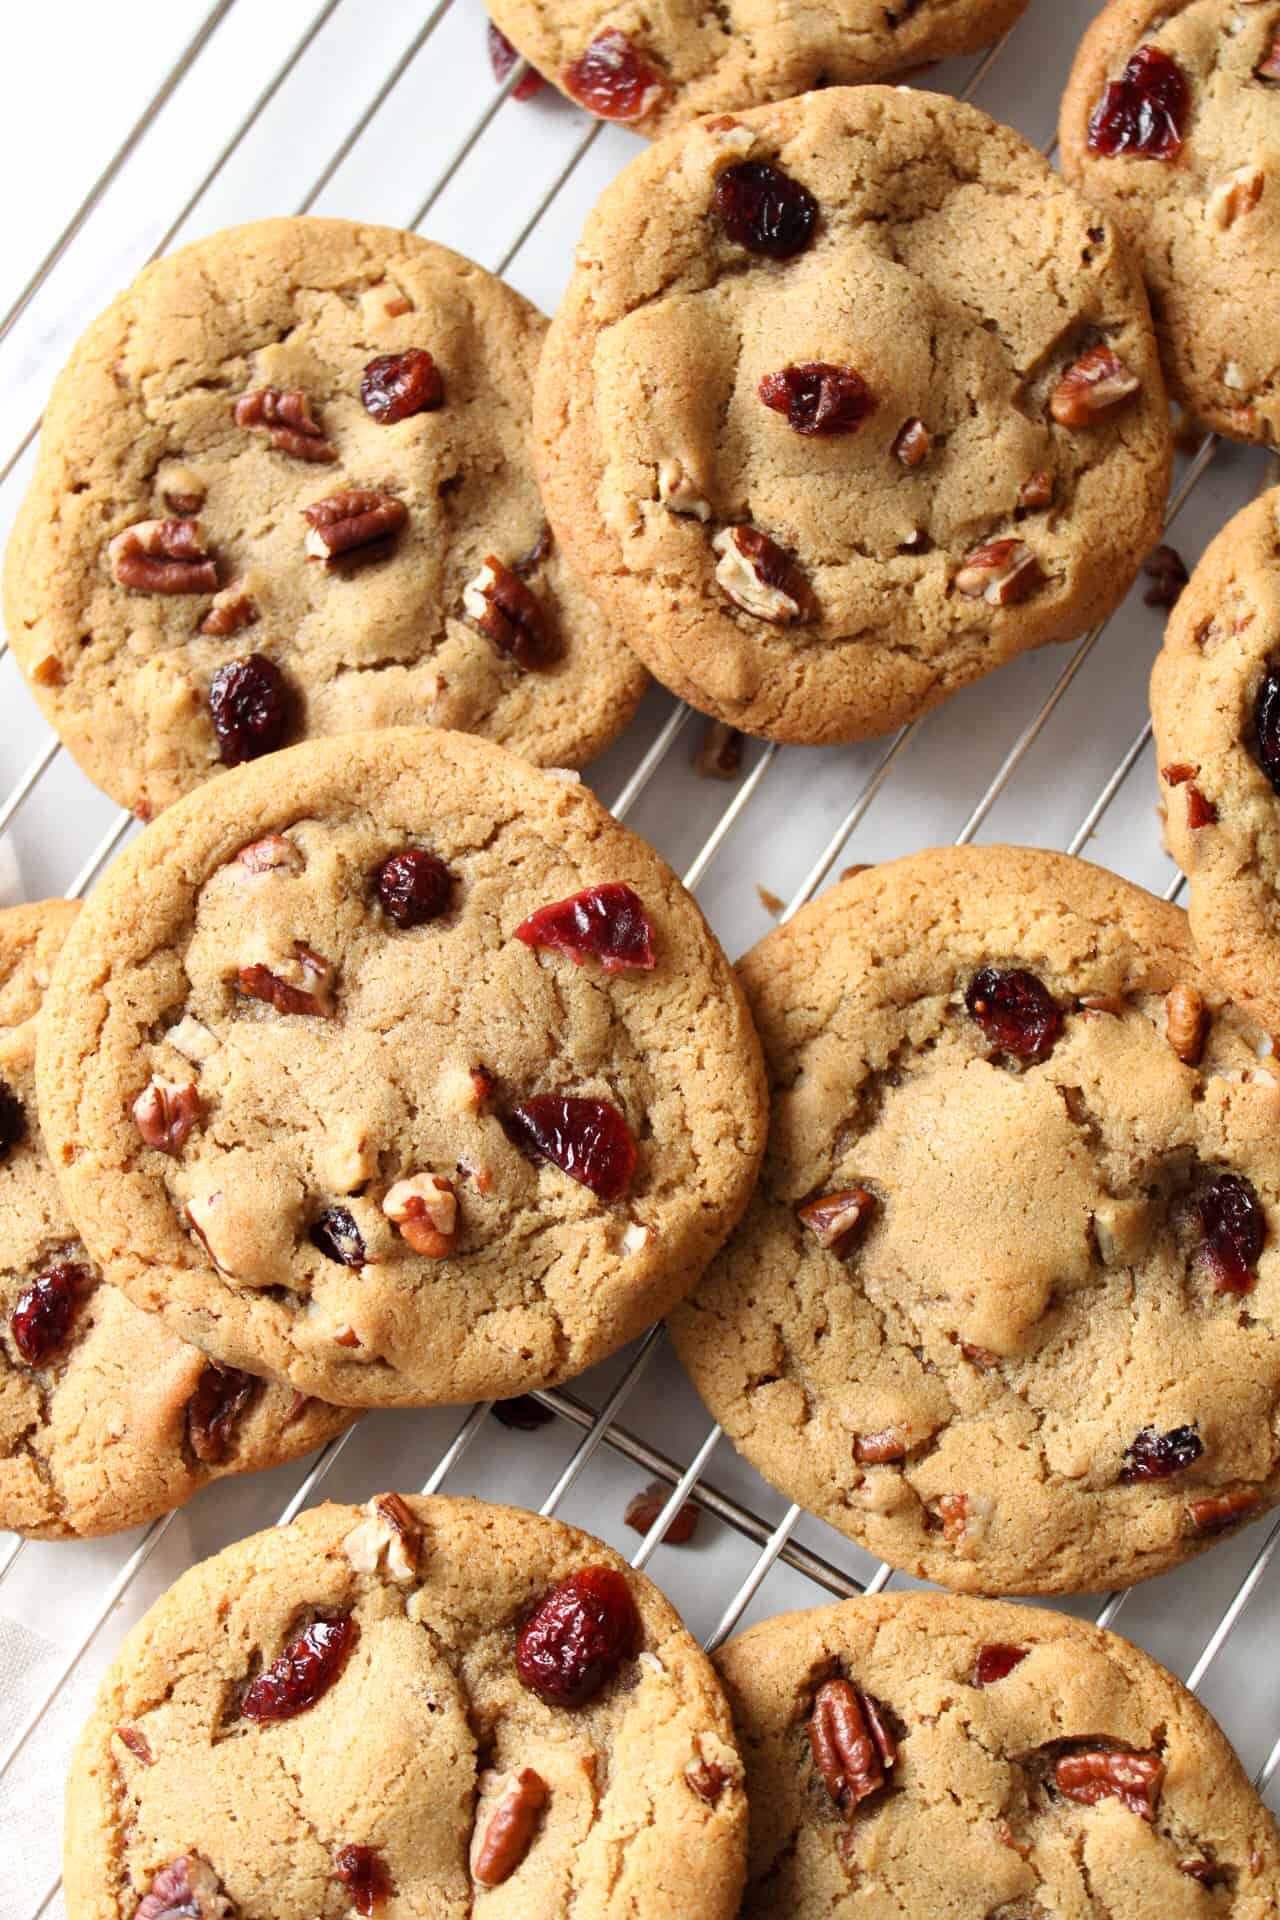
[
  {"x": 1239, "y": 1601},
  {"x": 729, "y": 818},
  {"x": 676, "y": 1500},
  {"x": 671, "y": 730},
  {"x": 579, "y": 153},
  {"x": 1085, "y": 831},
  {"x": 469, "y": 141},
  {"x": 27, "y": 784},
  {"x": 586, "y": 1447},
  {"x": 747, "y": 1591},
  {"x": 101, "y": 854},
  {"x": 11, "y": 1554},
  {"x": 456, "y": 1448},
  {"x": 852, "y": 820}
]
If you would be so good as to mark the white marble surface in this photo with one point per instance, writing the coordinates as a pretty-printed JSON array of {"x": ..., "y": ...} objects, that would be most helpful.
[{"x": 74, "y": 80}]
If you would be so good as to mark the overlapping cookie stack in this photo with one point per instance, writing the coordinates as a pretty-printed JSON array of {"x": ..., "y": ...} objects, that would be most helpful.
[{"x": 384, "y": 1068}]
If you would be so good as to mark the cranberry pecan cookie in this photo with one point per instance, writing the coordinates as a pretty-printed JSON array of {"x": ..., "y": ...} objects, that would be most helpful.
[
  {"x": 1171, "y": 122},
  {"x": 421, "y": 1707},
  {"x": 849, "y": 401},
  {"x": 1005, "y": 1307},
  {"x": 1215, "y": 708},
  {"x": 393, "y": 1063},
  {"x": 927, "y": 1755},
  {"x": 105, "y": 1419},
  {"x": 285, "y": 489},
  {"x": 652, "y": 70}
]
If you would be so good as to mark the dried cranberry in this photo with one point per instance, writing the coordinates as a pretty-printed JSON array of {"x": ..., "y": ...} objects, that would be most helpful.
[
  {"x": 587, "y": 1139},
  {"x": 248, "y": 703},
  {"x": 1233, "y": 1230},
  {"x": 414, "y": 886},
  {"x": 524, "y": 1414},
  {"x": 337, "y": 1237},
  {"x": 306, "y": 1670},
  {"x": 608, "y": 923},
  {"x": 44, "y": 1312},
  {"x": 1015, "y": 1010},
  {"x": 765, "y": 210},
  {"x": 1266, "y": 720},
  {"x": 221, "y": 1396},
  {"x": 13, "y": 1120},
  {"x": 1166, "y": 569},
  {"x": 364, "y": 1876},
  {"x": 611, "y": 79},
  {"x": 817, "y": 397},
  {"x": 578, "y": 1637},
  {"x": 1155, "y": 1456},
  {"x": 396, "y": 385},
  {"x": 502, "y": 57},
  {"x": 1143, "y": 112},
  {"x": 992, "y": 1663}
]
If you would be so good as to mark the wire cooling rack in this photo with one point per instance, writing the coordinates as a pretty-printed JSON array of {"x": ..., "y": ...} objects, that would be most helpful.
[{"x": 165, "y": 126}]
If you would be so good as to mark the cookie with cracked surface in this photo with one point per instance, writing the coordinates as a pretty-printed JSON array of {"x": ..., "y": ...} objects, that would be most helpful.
[
  {"x": 399, "y": 1762},
  {"x": 1215, "y": 710},
  {"x": 462, "y": 1093},
  {"x": 1005, "y": 1307},
  {"x": 652, "y": 72},
  {"x": 923, "y": 1753},
  {"x": 1170, "y": 122},
  {"x": 285, "y": 489},
  {"x": 822, "y": 432},
  {"x": 105, "y": 1419}
]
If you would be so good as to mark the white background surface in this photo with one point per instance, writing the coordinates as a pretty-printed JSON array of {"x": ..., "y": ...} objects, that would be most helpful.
[{"x": 76, "y": 77}]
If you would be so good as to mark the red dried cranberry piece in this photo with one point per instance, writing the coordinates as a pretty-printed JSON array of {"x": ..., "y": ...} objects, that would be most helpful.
[
  {"x": 1015, "y": 1010},
  {"x": 337, "y": 1237},
  {"x": 396, "y": 385},
  {"x": 364, "y": 1876},
  {"x": 1266, "y": 720},
  {"x": 765, "y": 210},
  {"x": 13, "y": 1120},
  {"x": 608, "y": 923},
  {"x": 1233, "y": 1231},
  {"x": 221, "y": 1396},
  {"x": 993, "y": 1662},
  {"x": 524, "y": 1414},
  {"x": 818, "y": 398},
  {"x": 578, "y": 1637},
  {"x": 611, "y": 79},
  {"x": 587, "y": 1139},
  {"x": 1144, "y": 111},
  {"x": 306, "y": 1670},
  {"x": 1156, "y": 1456},
  {"x": 502, "y": 57},
  {"x": 414, "y": 886},
  {"x": 248, "y": 703},
  {"x": 44, "y": 1312}
]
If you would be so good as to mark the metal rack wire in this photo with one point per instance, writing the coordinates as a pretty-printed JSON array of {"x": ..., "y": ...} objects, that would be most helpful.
[{"x": 596, "y": 1427}]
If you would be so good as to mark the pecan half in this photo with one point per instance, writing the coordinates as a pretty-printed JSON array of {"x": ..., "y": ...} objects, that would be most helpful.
[
  {"x": 1185, "y": 1023},
  {"x": 425, "y": 1208},
  {"x": 163, "y": 556},
  {"x": 887, "y": 1443},
  {"x": 1001, "y": 573},
  {"x": 1222, "y": 1510},
  {"x": 912, "y": 443},
  {"x": 852, "y": 1748},
  {"x": 164, "y": 1114},
  {"x": 187, "y": 1889},
  {"x": 1134, "y": 1778},
  {"x": 509, "y": 613},
  {"x": 836, "y": 1219},
  {"x": 230, "y": 613},
  {"x": 1093, "y": 385},
  {"x": 308, "y": 986},
  {"x": 285, "y": 415},
  {"x": 759, "y": 576},
  {"x": 346, "y": 522},
  {"x": 389, "y": 1535},
  {"x": 503, "y": 1837}
]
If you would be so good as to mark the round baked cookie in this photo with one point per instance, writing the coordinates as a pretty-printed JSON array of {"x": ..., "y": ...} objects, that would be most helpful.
[
  {"x": 322, "y": 1098},
  {"x": 182, "y": 517},
  {"x": 1215, "y": 709},
  {"x": 1171, "y": 122},
  {"x": 1017, "y": 1763},
  {"x": 1006, "y": 1305},
  {"x": 405, "y": 1765},
  {"x": 105, "y": 1419},
  {"x": 818, "y": 493},
  {"x": 655, "y": 70}
]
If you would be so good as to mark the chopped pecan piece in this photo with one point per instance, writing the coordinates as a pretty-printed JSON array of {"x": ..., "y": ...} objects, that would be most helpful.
[
  {"x": 165, "y": 1115},
  {"x": 680, "y": 492},
  {"x": 307, "y": 988},
  {"x": 182, "y": 489},
  {"x": 1177, "y": 773},
  {"x": 759, "y": 576},
  {"x": 1001, "y": 573},
  {"x": 817, "y": 397},
  {"x": 707, "y": 1778},
  {"x": 346, "y": 522},
  {"x": 836, "y": 1219},
  {"x": 1237, "y": 195},
  {"x": 1268, "y": 68},
  {"x": 1134, "y": 1778},
  {"x": 644, "y": 1509},
  {"x": 230, "y": 612},
  {"x": 163, "y": 556},
  {"x": 365, "y": 1877},
  {"x": 887, "y": 1443},
  {"x": 1036, "y": 490},
  {"x": 912, "y": 443},
  {"x": 719, "y": 755},
  {"x": 221, "y": 1396},
  {"x": 953, "y": 1510},
  {"x": 1185, "y": 1022},
  {"x": 1222, "y": 1510},
  {"x": 1201, "y": 812},
  {"x": 1092, "y": 385},
  {"x": 285, "y": 415},
  {"x": 1167, "y": 572},
  {"x": 397, "y": 385},
  {"x": 853, "y": 1749},
  {"x": 137, "y": 1743},
  {"x": 389, "y": 1535},
  {"x": 274, "y": 853},
  {"x": 187, "y": 1889},
  {"x": 612, "y": 79},
  {"x": 425, "y": 1208},
  {"x": 1199, "y": 1867},
  {"x": 509, "y": 613},
  {"x": 502, "y": 1837}
]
